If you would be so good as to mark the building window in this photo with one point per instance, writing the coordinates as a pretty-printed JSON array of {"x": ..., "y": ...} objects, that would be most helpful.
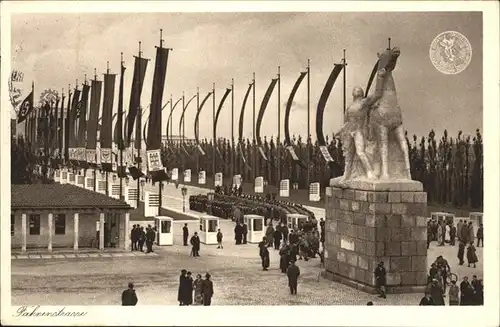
[
  {"x": 212, "y": 226},
  {"x": 12, "y": 224},
  {"x": 257, "y": 225},
  {"x": 34, "y": 224},
  {"x": 166, "y": 226},
  {"x": 60, "y": 224}
]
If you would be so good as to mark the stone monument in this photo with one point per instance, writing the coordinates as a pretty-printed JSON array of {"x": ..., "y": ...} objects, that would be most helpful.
[{"x": 375, "y": 212}]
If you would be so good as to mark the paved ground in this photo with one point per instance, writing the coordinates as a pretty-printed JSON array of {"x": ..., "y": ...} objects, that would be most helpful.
[{"x": 236, "y": 272}]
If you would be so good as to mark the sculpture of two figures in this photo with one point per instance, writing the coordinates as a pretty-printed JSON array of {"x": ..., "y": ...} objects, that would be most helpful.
[{"x": 373, "y": 137}]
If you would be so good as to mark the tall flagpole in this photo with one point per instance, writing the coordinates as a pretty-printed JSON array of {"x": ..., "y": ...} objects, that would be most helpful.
[
  {"x": 344, "y": 86},
  {"x": 197, "y": 150},
  {"x": 279, "y": 127},
  {"x": 106, "y": 173},
  {"x": 161, "y": 182},
  {"x": 181, "y": 140},
  {"x": 213, "y": 126},
  {"x": 309, "y": 140},
  {"x": 232, "y": 129},
  {"x": 138, "y": 127},
  {"x": 120, "y": 137},
  {"x": 253, "y": 132},
  {"x": 95, "y": 172}
]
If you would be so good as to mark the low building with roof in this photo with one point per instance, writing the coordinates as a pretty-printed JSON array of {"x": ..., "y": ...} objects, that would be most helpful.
[{"x": 61, "y": 216}]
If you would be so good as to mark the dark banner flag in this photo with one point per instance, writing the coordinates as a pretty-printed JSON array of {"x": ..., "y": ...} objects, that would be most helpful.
[
  {"x": 196, "y": 124},
  {"x": 153, "y": 142},
  {"x": 262, "y": 109},
  {"x": 95, "y": 100},
  {"x": 67, "y": 125},
  {"x": 60, "y": 129},
  {"x": 72, "y": 126},
  {"x": 321, "y": 108},
  {"x": 140, "y": 66},
  {"x": 82, "y": 125},
  {"x": 26, "y": 108},
  {"x": 221, "y": 104},
  {"x": 107, "y": 117},
  {"x": 119, "y": 127}
]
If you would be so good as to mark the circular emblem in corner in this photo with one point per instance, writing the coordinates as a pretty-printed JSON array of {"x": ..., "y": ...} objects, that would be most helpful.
[{"x": 450, "y": 52}]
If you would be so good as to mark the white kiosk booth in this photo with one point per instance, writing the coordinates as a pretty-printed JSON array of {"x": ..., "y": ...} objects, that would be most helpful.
[
  {"x": 476, "y": 217},
  {"x": 255, "y": 225},
  {"x": 64, "y": 177},
  {"x": 57, "y": 176},
  {"x": 164, "y": 230},
  {"x": 71, "y": 179},
  {"x": 208, "y": 229},
  {"x": 446, "y": 216},
  {"x": 295, "y": 219}
]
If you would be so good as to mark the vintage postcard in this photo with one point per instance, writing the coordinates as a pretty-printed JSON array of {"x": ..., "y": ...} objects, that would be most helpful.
[{"x": 281, "y": 163}]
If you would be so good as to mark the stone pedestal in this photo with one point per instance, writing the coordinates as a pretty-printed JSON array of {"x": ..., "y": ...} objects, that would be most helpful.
[{"x": 372, "y": 221}]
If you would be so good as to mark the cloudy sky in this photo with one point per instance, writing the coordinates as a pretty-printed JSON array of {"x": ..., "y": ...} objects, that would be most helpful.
[{"x": 56, "y": 49}]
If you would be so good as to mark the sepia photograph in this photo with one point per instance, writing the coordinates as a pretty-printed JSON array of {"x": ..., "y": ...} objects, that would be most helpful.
[{"x": 232, "y": 155}]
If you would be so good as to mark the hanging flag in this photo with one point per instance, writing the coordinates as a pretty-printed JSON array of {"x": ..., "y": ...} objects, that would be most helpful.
[
  {"x": 321, "y": 108},
  {"x": 153, "y": 144},
  {"x": 82, "y": 126},
  {"x": 260, "y": 116},
  {"x": 67, "y": 125},
  {"x": 217, "y": 118},
  {"x": 107, "y": 117},
  {"x": 26, "y": 108},
  {"x": 196, "y": 124},
  {"x": 140, "y": 66},
  {"x": 95, "y": 100},
  {"x": 119, "y": 128},
  {"x": 73, "y": 157},
  {"x": 60, "y": 130}
]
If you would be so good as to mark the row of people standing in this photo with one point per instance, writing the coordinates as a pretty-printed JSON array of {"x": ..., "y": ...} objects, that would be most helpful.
[
  {"x": 139, "y": 236},
  {"x": 469, "y": 293},
  {"x": 203, "y": 289}
]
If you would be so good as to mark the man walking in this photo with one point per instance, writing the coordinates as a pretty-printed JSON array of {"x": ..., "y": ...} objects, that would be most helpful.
[
  {"x": 195, "y": 242},
  {"x": 129, "y": 297},
  {"x": 264, "y": 254},
  {"x": 293, "y": 273},
  {"x": 207, "y": 290},
  {"x": 141, "y": 238},
  {"x": 245, "y": 233},
  {"x": 185, "y": 234},
  {"x": 480, "y": 236}
]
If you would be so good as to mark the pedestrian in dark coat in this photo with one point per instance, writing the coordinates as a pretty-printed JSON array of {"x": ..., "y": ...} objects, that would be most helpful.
[
  {"x": 293, "y": 273},
  {"x": 219, "y": 239},
  {"x": 264, "y": 254},
  {"x": 195, "y": 242},
  {"x": 277, "y": 239},
  {"x": 207, "y": 290},
  {"x": 150, "y": 238},
  {"x": 141, "y": 239},
  {"x": 245, "y": 233},
  {"x": 436, "y": 293},
  {"x": 129, "y": 297},
  {"x": 480, "y": 235},
  {"x": 454, "y": 294},
  {"x": 471, "y": 255},
  {"x": 185, "y": 234},
  {"x": 188, "y": 294},
  {"x": 238, "y": 233},
  {"x": 466, "y": 292},
  {"x": 133, "y": 238},
  {"x": 284, "y": 257},
  {"x": 181, "y": 295},
  {"x": 380, "y": 279},
  {"x": 453, "y": 234},
  {"x": 461, "y": 251}
]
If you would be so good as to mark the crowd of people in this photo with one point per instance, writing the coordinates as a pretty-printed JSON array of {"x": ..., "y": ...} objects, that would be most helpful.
[{"x": 440, "y": 275}]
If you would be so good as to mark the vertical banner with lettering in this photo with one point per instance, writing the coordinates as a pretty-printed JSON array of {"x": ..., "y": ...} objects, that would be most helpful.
[{"x": 153, "y": 143}]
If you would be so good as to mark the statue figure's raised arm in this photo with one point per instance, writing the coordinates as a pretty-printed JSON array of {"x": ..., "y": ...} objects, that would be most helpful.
[{"x": 379, "y": 88}]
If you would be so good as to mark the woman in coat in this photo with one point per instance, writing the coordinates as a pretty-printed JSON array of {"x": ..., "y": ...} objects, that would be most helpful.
[
  {"x": 188, "y": 296},
  {"x": 198, "y": 297},
  {"x": 471, "y": 255}
]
